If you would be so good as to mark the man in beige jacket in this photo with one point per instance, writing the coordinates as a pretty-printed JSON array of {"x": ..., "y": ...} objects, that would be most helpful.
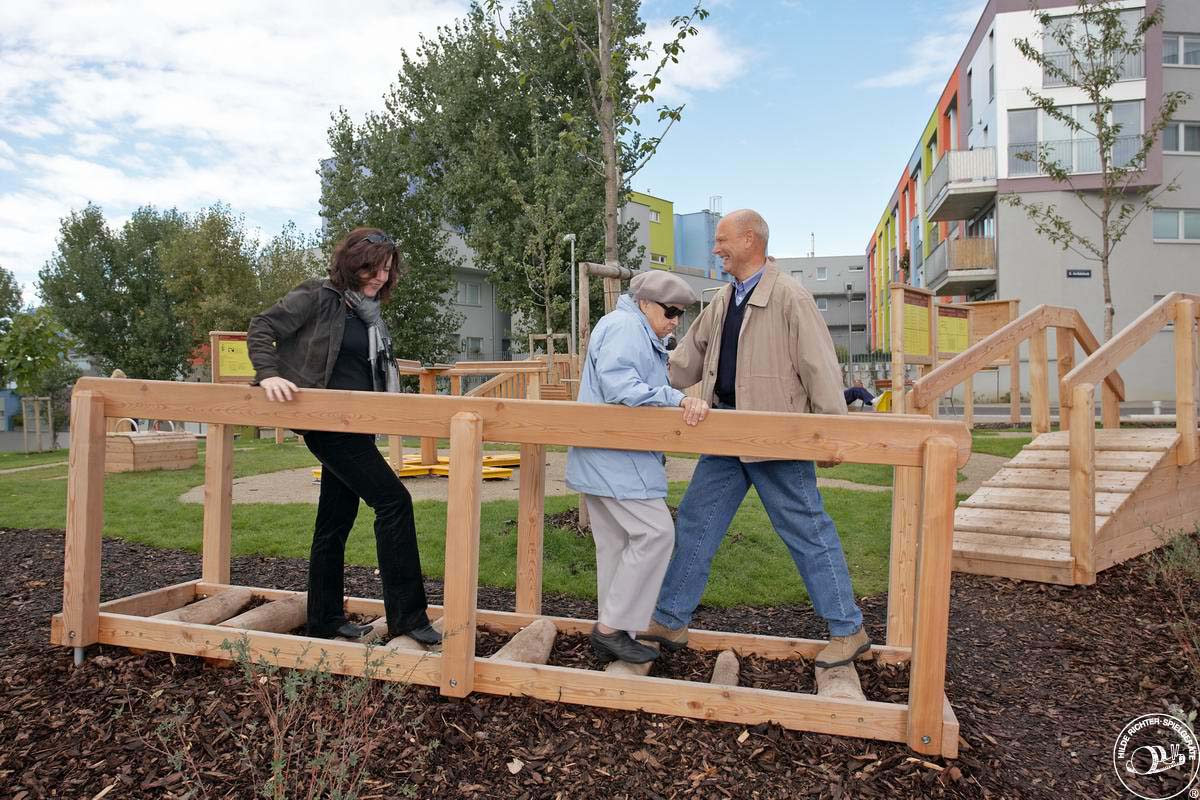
[{"x": 761, "y": 345}]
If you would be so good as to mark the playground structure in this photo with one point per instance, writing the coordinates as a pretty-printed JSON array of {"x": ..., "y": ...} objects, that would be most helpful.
[
  {"x": 926, "y": 451},
  {"x": 1077, "y": 500},
  {"x": 141, "y": 451}
]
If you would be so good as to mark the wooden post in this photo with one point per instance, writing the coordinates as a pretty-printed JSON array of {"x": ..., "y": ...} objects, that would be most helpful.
[
  {"x": 612, "y": 290},
  {"x": 50, "y": 423},
  {"x": 530, "y": 517},
  {"x": 37, "y": 422},
  {"x": 218, "y": 503},
  {"x": 461, "y": 588},
  {"x": 927, "y": 673},
  {"x": 278, "y": 435},
  {"x": 969, "y": 384},
  {"x": 1064, "y": 354},
  {"x": 1110, "y": 408},
  {"x": 1185, "y": 380},
  {"x": 396, "y": 451},
  {"x": 585, "y": 307},
  {"x": 456, "y": 385},
  {"x": 932, "y": 409},
  {"x": 897, "y": 336},
  {"x": 429, "y": 455},
  {"x": 85, "y": 522},
  {"x": 1039, "y": 384},
  {"x": 902, "y": 560},
  {"x": 25, "y": 424},
  {"x": 1083, "y": 483}
]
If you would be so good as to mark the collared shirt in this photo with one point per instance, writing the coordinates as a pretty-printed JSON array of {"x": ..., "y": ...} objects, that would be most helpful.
[{"x": 743, "y": 288}]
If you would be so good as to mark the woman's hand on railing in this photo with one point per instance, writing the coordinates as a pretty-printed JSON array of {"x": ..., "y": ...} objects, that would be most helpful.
[
  {"x": 279, "y": 389},
  {"x": 694, "y": 410}
]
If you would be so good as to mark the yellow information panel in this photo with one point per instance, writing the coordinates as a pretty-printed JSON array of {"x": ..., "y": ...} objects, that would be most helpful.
[
  {"x": 232, "y": 360},
  {"x": 916, "y": 324},
  {"x": 952, "y": 330}
]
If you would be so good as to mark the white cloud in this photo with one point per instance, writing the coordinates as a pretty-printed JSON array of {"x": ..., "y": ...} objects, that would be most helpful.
[
  {"x": 931, "y": 58},
  {"x": 708, "y": 63},
  {"x": 182, "y": 103}
]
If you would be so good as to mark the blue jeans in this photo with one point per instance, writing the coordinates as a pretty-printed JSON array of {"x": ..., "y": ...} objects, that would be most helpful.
[{"x": 788, "y": 490}]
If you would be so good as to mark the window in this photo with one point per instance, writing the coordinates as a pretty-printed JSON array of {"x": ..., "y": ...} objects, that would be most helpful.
[
  {"x": 1176, "y": 225},
  {"x": 991, "y": 83},
  {"x": 1181, "y": 137},
  {"x": 1074, "y": 151},
  {"x": 472, "y": 345},
  {"x": 822, "y": 273},
  {"x": 655, "y": 216},
  {"x": 856, "y": 267},
  {"x": 1181, "y": 49},
  {"x": 798, "y": 274},
  {"x": 655, "y": 258},
  {"x": 468, "y": 294},
  {"x": 822, "y": 304}
]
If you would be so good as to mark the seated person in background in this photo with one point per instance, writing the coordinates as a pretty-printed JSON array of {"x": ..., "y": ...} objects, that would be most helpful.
[{"x": 857, "y": 392}]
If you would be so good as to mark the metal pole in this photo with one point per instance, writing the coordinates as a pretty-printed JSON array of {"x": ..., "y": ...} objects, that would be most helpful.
[{"x": 849, "y": 328}]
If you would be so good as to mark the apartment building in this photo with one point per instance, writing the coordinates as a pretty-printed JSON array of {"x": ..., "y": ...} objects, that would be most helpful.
[
  {"x": 947, "y": 228},
  {"x": 839, "y": 285}
]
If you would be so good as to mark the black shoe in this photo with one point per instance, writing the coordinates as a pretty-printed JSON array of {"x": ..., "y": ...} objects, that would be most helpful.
[
  {"x": 425, "y": 634},
  {"x": 618, "y": 646},
  {"x": 352, "y": 630}
]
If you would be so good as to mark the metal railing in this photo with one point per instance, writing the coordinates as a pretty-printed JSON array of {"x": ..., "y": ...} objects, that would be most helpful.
[
  {"x": 960, "y": 166},
  {"x": 1076, "y": 156},
  {"x": 1131, "y": 67}
]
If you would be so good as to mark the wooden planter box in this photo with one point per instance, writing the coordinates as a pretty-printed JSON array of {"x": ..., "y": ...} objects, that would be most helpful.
[{"x": 143, "y": 451}]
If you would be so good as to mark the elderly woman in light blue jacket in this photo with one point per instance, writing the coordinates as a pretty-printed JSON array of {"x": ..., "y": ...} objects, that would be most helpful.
[{"x": 625, "y": 490}]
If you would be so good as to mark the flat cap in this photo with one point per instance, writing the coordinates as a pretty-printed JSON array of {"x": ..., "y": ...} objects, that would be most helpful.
[{"x": 659, "y": 286}]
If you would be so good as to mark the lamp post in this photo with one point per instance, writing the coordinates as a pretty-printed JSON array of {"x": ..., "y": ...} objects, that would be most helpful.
[
  {"x": 849, "y": 329},
  {"x": 570, "y": 237}
]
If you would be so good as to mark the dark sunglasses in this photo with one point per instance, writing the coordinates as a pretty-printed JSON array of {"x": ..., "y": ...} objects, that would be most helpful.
[
  {"x": 670, "y": 312},
  {"x": 380, "y": 238}
]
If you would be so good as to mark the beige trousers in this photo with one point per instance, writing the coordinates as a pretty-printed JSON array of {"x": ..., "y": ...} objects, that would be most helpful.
[{"x": 634, "y": 539}]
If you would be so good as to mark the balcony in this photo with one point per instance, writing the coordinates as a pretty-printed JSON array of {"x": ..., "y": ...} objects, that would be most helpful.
[
  {"x": 961, "y": 266},
  {"x": 962, "y": 183},
  {"x": 1132, "y": 67},
  {"x": 1076, "y": 156}
]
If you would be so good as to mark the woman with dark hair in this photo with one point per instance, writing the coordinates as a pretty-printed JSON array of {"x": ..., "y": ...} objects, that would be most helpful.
[{"x": 328, "y": 334}]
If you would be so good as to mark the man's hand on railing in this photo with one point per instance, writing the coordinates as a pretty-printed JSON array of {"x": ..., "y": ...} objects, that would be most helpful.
[
  {"x": 279, "y": 389},
  {"x": 694, "y": 410}
]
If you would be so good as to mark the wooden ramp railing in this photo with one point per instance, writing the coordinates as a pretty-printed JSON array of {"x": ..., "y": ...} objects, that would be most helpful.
[{"x": 919, "y": 589}]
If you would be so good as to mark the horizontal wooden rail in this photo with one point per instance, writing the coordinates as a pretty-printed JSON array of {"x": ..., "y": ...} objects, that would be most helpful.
[
  {"x": 1107, "y": 357},
  {"x": 857, "y": 438}
]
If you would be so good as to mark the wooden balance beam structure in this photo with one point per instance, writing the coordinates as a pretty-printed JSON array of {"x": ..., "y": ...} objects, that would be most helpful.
[{"x": 919, "y": 583}]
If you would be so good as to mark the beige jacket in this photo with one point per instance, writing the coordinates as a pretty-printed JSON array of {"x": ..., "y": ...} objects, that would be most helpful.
[{"x": 785, "y": 361}]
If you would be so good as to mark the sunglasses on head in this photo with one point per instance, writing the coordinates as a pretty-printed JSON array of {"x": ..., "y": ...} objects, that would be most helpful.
[
  {"x": 380, "y": 238},
  {"x": 670, "y": 312}
]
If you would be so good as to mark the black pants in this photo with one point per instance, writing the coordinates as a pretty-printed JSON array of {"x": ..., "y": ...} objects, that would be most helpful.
[{"x": 353, "y": 468}]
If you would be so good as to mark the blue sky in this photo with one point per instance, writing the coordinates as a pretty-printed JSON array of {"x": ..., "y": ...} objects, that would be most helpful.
[{"x": 803, "y": 109}]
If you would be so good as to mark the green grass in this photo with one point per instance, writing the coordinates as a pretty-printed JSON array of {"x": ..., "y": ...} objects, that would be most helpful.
[
  {"x": 17, "y": 460},
  {"x": 752, "y": 566},
  {"x": 991, "y": 444}
]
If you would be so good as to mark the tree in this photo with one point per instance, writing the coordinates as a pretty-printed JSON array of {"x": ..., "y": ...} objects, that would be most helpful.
[
  {"x": 286, "y": 261},
  {"x": 109, "y": 291},
  {"x": 10, "y": 298},
  {"x": 366, "y": 183},
  {"x": 1094, "y": 45},
  {"x": 33, "y": 352},
  {"x": 209, "y": 269}
]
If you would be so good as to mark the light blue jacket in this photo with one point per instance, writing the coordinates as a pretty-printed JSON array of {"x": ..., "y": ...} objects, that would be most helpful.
[{"x": 626, "y": 365}]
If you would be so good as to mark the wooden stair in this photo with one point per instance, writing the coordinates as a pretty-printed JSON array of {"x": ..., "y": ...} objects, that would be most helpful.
[{"x": 1018, "y": 524}]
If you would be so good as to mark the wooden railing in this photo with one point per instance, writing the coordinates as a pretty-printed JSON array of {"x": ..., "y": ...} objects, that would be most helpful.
[
  {"x": 1031, "y": 327},
  {"x": 1077, "y": 398},
  {"x": 919, "y": 592}
]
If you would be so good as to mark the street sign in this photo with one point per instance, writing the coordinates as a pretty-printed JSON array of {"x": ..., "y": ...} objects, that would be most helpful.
[{"x": 1079, "y": 273}]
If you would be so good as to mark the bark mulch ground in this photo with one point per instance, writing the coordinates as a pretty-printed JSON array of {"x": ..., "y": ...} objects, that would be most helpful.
[{"x": 1042, "y": 679}]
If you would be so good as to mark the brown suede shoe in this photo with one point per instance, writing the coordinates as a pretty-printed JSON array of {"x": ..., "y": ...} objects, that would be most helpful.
[
  {"x": 671, "y": 639},
  {"x": 844, "y": 649}
]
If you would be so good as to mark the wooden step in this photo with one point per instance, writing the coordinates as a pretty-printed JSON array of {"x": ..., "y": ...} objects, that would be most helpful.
[
  {"x": 1028, "y": 478},
  {"x": 1044, "y": 524},
  {"x": 1118, "y": 461},
  {"x": 1030, "y": 559},
  {"x": 1059, "y": 500},
  {"x": 1129, "y": 440}
]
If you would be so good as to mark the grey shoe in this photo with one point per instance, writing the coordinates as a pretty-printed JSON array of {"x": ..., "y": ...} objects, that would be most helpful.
[
  {"x": 617, "y": 646},
  {"x": 842, "y": 650},
  {"x": 672, "y": 639}
]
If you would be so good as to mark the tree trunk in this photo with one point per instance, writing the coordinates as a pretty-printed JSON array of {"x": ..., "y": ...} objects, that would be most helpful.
[{"x": 608, "y": 134}]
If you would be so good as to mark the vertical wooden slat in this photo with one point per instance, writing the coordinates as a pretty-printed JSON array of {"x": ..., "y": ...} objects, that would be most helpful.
[
  {"x": 1064, "y": 355},
  {"x": 1014, "y": 384},
  {"x": 902, "y": 570},
  {"x": 969, "y": 384},
  {"x": 612, "y": 290},
  {"x": 1083, "y": 483},
  {"x": 530, "y": 517},
  {"x": 456, "y": 385},
  {"x": 1110, "y": 408},
  {"x": 1039, "y": 384},
  {"x": 927, "y": 675},
  {"x": 396, "y": 451},
  {"x": 85, "y": 520},
  {"x": 585, "y": 307},
  {"x": 429, "y": 455},
  {"x": 461, "y": 588},
  {"x": 1185, "y": 380},
  {"x": 897, "y": 335},
  {"x": 218, "y": 503}
]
